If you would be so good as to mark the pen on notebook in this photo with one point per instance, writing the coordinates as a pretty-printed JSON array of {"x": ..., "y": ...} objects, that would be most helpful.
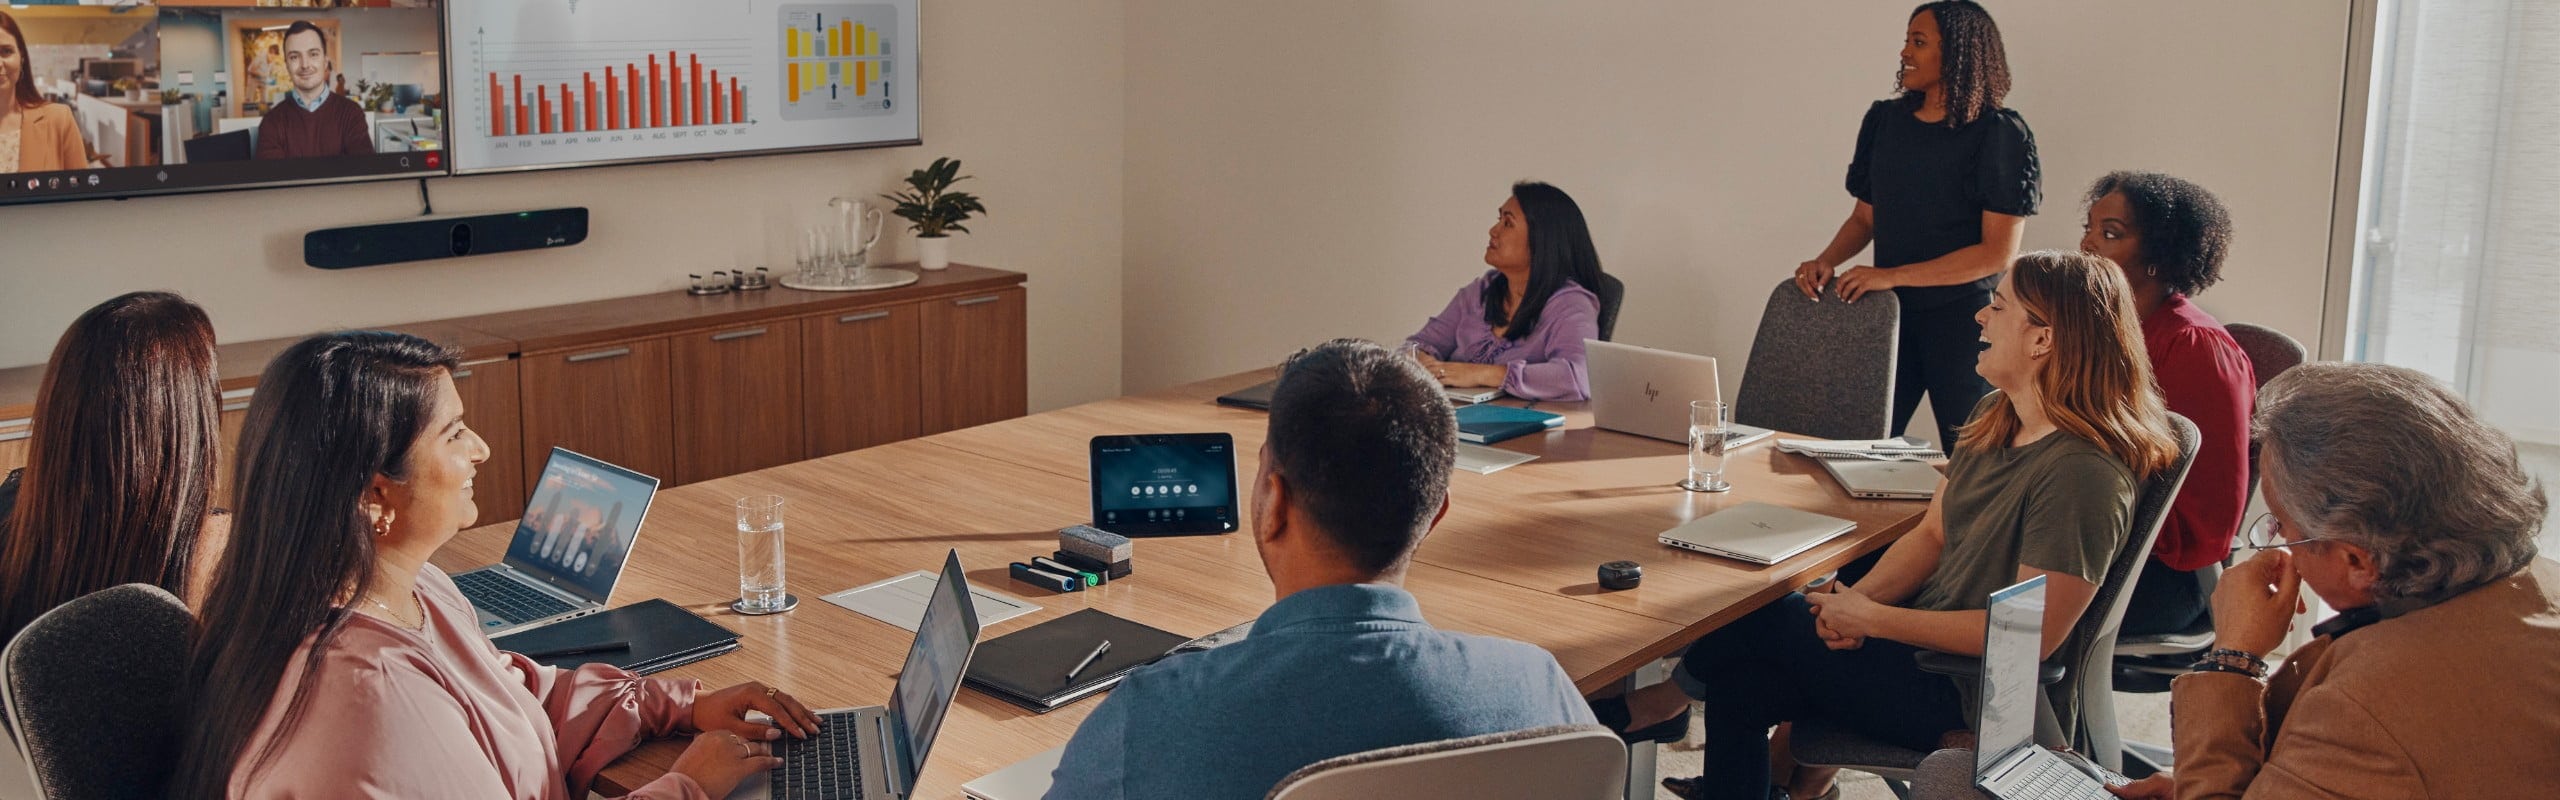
[
  {"x": 1098, "y": 650},
  {"x": 580, "y": 650}
]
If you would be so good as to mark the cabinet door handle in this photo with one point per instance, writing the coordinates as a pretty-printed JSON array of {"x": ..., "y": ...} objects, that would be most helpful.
[
  {"x": 460, "y": 374},
  {"x": 978, "y": 300},
  {"x": 238, "y": 399},
  {"x": 600, "y": 355},
  {"x": 242, "y": 405},
  {"x": 26, "y": 427},
  {"x": 15, "y": 435},
  {"x": 748, "y": 333},
  {"x": 864, "y": 316}
]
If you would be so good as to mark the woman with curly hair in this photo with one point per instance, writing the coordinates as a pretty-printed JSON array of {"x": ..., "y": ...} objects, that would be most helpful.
[
  {"x": 2169, "y": 236},
  {"x": 1945, "y": 177}
]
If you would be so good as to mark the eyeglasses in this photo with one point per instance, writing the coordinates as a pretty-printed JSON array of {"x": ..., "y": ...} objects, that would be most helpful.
[{"x": 2267, "y": 533}]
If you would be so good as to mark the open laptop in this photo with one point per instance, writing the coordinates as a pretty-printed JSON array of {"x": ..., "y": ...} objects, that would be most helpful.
[
  {"x": 1756, "y": 532},
  {"x": 876, "y": 752},
  {"x": 2007, "y": 761},
  {"x": 569, "y": 549},
  {"x": 1883, "y": 480},
  {"x": 1646, "y": 392}
]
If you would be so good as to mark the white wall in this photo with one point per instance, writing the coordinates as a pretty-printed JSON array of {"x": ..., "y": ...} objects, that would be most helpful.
[
  {"x": 1029, "y": 95},
  {"x": 1327, "y": 168}
]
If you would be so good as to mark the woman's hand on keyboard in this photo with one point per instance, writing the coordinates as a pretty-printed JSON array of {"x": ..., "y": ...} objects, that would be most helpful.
[
  {"x": 719, "y": 760},
  {"x": 726, "y": 710},
  {"x": 2156, "y": 787}
]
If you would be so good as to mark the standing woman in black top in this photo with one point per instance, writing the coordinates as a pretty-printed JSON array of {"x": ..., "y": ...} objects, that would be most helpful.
[{"x": 1945, "y": 178}]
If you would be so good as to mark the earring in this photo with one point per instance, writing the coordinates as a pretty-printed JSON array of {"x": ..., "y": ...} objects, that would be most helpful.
[
  {"x": 381, "y": 526},
  {"x": 2151, "y": 271}
]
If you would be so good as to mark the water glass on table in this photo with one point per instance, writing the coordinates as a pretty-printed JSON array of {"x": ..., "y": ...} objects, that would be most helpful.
[
  {"x": 1710, "y": 424},
  {"x": 761, "y": 588}
]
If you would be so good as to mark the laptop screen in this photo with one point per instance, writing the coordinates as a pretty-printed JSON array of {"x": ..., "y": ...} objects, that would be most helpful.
[
  {"x": 935, "y": 665},
  {"x": 580, "y": 523},
  {"x": 2010, "y": 647}
]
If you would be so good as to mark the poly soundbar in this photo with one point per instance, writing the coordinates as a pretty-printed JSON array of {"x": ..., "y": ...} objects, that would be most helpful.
[{"x": 447, "y": 236}]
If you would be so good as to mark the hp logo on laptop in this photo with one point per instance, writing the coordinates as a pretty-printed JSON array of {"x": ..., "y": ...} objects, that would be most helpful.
[{"x": 1651, "y": 394}]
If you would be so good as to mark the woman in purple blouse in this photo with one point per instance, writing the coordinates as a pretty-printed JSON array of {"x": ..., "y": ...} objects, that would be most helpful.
[{"x": 1521, "y": 325}]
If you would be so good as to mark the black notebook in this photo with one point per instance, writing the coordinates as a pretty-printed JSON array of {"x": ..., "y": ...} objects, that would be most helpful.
[
  {"x": 1257, "y": 396},
  {"x": 1029, "y": 667},
  {"x": 663, "y": 636}
]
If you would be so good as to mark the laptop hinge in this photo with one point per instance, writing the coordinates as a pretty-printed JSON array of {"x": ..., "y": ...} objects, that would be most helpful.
[{"x": 889, "y": 750}]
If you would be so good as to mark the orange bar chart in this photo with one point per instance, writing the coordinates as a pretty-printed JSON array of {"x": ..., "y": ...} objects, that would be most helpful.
[{"x": 683, "y": 93}]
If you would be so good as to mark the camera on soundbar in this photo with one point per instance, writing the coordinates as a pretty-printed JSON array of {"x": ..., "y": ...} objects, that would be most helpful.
[{"x": 450, "y": 236}]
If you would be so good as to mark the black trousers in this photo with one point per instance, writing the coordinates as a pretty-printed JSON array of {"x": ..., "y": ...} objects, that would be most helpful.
[
  {"x": 1770, "y": 667},
  {"x": 1936, "y": 357},
  {"x": 2164, "y": 601}
]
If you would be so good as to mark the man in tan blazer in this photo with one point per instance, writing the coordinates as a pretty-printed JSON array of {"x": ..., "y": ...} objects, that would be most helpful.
[{"x": 2394, "y": 502}]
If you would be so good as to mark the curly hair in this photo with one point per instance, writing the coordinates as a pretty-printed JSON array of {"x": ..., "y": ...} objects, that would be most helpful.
[
  {"x": 2183, "y": 230},
  {"x": 1973, "y": 67}
]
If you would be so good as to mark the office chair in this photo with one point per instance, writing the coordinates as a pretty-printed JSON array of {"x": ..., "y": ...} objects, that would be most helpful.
[
  {"x": 2146, "y": 664},
  {"x": 1562, "y": 762},
  {"x": 1613, "y": 293},
  {"x": 93, "y": 690},
  {"x": 233, "y": 146},
  {"x": 1822, "y": 369},
  {"x": 1946, "y": 775},
  {"x": 2078, "y": 708}
]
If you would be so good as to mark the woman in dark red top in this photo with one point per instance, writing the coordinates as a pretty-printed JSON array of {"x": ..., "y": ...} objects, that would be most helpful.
[{"x": 2169, "y": 236}]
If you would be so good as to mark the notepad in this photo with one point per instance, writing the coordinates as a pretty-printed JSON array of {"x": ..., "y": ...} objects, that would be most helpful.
[
  {"x": 1030, "y": 667},
  {"x": 900, "y": 601},
  {"x": 1484, "y": 424},
  {"x": 1483, "y": 460}
]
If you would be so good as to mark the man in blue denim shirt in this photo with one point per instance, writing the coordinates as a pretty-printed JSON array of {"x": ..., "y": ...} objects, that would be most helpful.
[{"x": 1355, "y": 472}]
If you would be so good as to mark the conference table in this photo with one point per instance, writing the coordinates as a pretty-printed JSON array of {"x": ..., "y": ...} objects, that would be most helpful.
[{"x": 1516, "y": 557}]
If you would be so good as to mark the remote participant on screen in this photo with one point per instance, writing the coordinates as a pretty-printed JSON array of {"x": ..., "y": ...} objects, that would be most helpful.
[
  {"x": 36, "y": 135},
  {"x": 313, "y": 121}
]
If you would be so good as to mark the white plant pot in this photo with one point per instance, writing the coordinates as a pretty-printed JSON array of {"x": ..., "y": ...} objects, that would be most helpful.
[{"x": 933, "y": 252}]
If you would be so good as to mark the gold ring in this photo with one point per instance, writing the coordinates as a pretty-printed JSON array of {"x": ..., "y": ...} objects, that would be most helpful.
[{"x": 772, "y": 692}]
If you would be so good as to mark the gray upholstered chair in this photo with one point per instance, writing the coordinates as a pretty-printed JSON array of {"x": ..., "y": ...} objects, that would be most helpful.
[
  {"x": 1822, "y": 369},
  {"x": 93, "y": 692},
  {"x": 2078, "y": 708},
  {"x": 1946, "y": 775},
  {"x": 1563, "y": 762},
  {"x": 1613, "y": 294}
]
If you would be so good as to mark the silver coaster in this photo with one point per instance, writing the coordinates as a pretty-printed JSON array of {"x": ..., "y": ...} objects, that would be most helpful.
[
  {"x": 1718, "y": 486},
  {"x": 789, "y": 601}
]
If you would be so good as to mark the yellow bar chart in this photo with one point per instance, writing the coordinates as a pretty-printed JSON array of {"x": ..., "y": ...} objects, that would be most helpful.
[{"x": 837, "y": 58}]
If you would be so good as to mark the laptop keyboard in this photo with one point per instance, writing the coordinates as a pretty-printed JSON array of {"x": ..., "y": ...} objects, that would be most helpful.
[
  {"x": 2049, "y": 777},
  {"x": 827, "y": 766},
  {"x": 507, "y": 599}
]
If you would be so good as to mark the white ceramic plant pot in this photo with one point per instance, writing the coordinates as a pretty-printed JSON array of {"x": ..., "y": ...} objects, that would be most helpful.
[{"x": 933, "y": 252}]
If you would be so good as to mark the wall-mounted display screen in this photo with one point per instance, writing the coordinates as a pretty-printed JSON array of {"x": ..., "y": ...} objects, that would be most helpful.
[
  {"x": 558, "y": 83},
  {"x": 118, "y": 98}
]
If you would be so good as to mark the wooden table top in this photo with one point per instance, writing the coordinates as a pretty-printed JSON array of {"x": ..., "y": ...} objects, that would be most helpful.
[{"x": 1515, "y": 557}]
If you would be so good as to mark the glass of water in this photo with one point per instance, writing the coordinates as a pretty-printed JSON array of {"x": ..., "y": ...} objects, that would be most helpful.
[
  {"x": 760, "y": 582},
  {"x": 1710, "y": 423}
]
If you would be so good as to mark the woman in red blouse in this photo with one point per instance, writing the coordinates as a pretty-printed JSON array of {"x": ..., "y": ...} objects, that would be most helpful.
[{"x": 2169, "y": 237}]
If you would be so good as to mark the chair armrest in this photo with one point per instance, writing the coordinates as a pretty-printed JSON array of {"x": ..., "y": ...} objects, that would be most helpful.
[{"x": 1968, "y": 667}]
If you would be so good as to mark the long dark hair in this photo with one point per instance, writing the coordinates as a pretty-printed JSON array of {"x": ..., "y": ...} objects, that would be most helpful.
[
  {"x": 120, "y": 465},
  {"x": 1559, "y": 250},
  {"x": 331, "y": 412},
  {"x": 1973, "y": 68},
  {"x": 25, "y": 91}
]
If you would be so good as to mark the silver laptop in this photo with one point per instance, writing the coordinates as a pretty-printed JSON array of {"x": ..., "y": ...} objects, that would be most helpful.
[
  {"x": 877, "y": 751},
  {"x": 1646, "y": 392},
  {"x": 1883, "y": 480},
  {"x": 2007, "y": 761},
  {"x": 1757, "y": 532},
  {"x": 569, "y": 549}
]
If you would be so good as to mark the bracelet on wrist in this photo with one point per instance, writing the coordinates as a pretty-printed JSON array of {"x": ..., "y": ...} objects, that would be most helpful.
[{"x": 2232, "y": 661}]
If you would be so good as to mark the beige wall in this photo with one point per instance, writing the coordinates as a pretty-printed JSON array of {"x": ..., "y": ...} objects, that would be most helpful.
[
  {"x": 1029, "y": 95},
  {"x": 1328, "y": 168}
]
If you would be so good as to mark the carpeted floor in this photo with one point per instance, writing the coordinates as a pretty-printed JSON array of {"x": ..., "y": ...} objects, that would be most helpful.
[{"x": 2143, "y": 717}]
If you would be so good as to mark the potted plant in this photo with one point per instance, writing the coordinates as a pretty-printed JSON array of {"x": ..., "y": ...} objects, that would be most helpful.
[
  {"x": 933, "y": 211},
  {"x": 131, "y": 88}
]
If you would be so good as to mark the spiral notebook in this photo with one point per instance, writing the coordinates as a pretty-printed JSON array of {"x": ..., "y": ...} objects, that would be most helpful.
[{"x": 1029, "y": 667}]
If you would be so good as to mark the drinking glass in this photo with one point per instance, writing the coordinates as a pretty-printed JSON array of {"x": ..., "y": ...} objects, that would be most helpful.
[
  {"x": 1710, "y": 422},
  {"x": 760, "y": 579}
]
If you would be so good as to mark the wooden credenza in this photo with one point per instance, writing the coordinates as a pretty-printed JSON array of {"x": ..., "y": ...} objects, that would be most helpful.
[{"x": 693, "y": 388}]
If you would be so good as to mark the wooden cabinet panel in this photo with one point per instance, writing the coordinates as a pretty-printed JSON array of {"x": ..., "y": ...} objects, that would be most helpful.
[
  {"x": 607, "y": 401},
  {"x": 737, "y": 400},
  {"x": 13, "y": 443},
  {"x": 975, "y": 365},
  {"x": 235, "y": 413},
  {"x": 489, "y": 392},
  {"x": 860, "y": 368}
]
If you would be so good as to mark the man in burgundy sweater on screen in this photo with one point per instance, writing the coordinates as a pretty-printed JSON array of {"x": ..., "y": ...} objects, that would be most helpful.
[{"x": 313, "y": 121}]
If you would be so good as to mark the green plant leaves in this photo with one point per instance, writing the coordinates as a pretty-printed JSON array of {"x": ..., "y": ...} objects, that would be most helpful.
[{"x": 929, "y": 205}]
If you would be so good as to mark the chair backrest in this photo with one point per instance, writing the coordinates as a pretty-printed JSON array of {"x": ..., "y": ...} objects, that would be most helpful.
[
  {"x": 1563, "y": 762},
  {"x": 1946, "y": 775},
  {"x": 2083, "y": 701},
  {"x": 1613, "y": 293},
  {"x": 2270, "y": 352},
  {"x": 93, "y": 691},
  {"x": 1822, "y": 369}
]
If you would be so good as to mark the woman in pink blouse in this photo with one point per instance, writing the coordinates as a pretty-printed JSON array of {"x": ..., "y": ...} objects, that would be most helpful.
[
  {"x": 333, "y": 661},
  {"x": 1520, "y": 326}
]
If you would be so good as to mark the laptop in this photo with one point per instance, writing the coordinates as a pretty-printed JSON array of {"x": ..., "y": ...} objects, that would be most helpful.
[
  {"x": 876, "y": 752},
  {"x": 1759, "y": 533},
  {"x": 2007, "y": 762},
  {"x": 1258, "y": 396},
  {"x": 1646, "y": 392},
  {"x": 569, "y": 549},
  {"x": 1883, "y": 480}
]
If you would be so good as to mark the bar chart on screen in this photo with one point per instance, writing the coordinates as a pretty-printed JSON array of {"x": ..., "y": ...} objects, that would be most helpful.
[{"x": 564, "y": 82}]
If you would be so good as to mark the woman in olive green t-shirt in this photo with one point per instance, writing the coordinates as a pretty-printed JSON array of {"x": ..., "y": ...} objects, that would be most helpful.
[{"x": 2042, "y": 482}]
